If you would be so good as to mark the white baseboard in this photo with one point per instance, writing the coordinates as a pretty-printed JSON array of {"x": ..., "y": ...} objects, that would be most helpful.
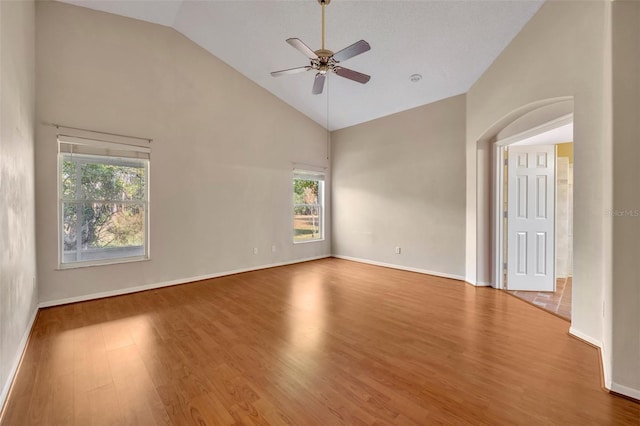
[
  {"x": 478, "y": 283},
  {"x": 580, "y": 335},
  {"x": 603, "y": 359},
  {"x": 404, "y": 268},
  {"x": 563, "y": 275},
  {"x": 16, "y": 361},
  {"x": 136, "y": 289},
  {"x": 625, "y": 390}
]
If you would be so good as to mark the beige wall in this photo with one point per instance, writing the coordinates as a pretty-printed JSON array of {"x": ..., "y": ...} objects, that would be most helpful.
[
  {"x": 399, "y": 181},
  {"x": 222, "y": 152},
  {"x": 566, "y": 150},
  {"x": 18, "y": 293},
  {"x": 626, "y": 198},
  {"x": 564, "y": 211}
]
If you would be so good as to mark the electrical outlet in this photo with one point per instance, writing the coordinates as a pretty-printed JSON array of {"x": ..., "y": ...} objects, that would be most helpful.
[
  {"x": 398, "y": 250},
  {"x": 255, "y": 250},
  {"x": 273, "y": 249}
]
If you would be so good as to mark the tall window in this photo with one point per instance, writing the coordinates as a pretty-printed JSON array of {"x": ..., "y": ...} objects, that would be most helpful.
[
  {"x": 308, "y": 206},
  {"x": 104, "y": 202}
]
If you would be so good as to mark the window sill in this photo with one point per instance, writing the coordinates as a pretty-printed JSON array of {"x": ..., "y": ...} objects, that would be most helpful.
[
  {"x": 105, "y": 262},
  {"x": 309, "y": 241}
]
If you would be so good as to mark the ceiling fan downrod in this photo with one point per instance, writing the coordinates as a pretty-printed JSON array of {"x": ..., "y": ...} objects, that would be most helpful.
[
  {"x": 323, "y": 3},
  {"x": 323, "y": 54}
]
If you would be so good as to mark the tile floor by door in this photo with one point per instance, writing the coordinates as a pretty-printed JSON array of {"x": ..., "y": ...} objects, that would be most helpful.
[{"x": 558, "y": 302}]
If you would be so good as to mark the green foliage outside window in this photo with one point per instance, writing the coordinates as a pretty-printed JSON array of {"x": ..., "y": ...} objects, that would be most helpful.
[
  {"x": 306, "y": 210},
  {"x": 107, "y": 200},
  {"x": 304, "y": 192}
]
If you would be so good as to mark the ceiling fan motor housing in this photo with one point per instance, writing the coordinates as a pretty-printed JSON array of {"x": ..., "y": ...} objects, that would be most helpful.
[
  {"x": 325, "y": 61},
  {"x": 324, "y": 53}
]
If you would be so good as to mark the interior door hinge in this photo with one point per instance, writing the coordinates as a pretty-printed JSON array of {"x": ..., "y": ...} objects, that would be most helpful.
[
  {"x": 505, "y": 214},
  {"x": 506, "y": 161}
]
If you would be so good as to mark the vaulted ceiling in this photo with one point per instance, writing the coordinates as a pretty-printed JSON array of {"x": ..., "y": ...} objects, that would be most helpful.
[{"x": 449, "y": 43}]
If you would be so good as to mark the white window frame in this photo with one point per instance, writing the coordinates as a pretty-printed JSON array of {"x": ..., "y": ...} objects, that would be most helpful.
[
  {"x": 320, "y": 178},
  {"x": 104, "y": 153}
]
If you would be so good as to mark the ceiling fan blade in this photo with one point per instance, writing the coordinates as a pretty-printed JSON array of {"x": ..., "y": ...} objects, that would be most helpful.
[
  {"x": 306, "y": 50},
  {"x": 353, "y": 75},
  {"x": 290, "y": 71},
  {"x": 351, "y": 51},
  {"x": 318, "y": 84}
]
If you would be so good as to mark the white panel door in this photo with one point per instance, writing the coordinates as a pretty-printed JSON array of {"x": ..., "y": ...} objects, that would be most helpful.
[{"x": 531, "y": 218}]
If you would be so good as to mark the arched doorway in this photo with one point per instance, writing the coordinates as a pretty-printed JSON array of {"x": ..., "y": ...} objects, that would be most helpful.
[{"x": 537, "y": 123}]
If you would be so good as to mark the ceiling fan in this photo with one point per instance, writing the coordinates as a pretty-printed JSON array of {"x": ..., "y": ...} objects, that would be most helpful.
[{"x": 323, "y": 60}]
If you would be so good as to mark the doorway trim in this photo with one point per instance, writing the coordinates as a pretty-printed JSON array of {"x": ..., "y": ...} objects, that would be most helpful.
[{"x": 499, "y": 261}]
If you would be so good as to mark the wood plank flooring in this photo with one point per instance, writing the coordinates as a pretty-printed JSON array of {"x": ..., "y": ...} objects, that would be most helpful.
[{"x": 320, "y": 343}]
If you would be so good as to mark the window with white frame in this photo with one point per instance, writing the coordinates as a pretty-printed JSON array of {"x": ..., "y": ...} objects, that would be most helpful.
[
  {"x": 308, "y": 206},
  {"x": 103, "y": 201}
]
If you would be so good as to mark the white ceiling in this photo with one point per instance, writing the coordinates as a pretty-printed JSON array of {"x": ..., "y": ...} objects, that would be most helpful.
[
  {"x": 450, "y": 43},
  {"x": 561, "y": 134}
]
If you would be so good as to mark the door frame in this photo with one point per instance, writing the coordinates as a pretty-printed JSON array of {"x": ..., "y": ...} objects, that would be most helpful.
[{"x": 499, "y": 261}]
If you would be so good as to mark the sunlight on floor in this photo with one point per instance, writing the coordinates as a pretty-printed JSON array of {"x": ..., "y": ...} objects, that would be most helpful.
[{"x": 307, "y": 324}]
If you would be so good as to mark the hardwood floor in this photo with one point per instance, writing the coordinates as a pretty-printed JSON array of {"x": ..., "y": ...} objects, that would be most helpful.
[{"x": 319, "y": 343}]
